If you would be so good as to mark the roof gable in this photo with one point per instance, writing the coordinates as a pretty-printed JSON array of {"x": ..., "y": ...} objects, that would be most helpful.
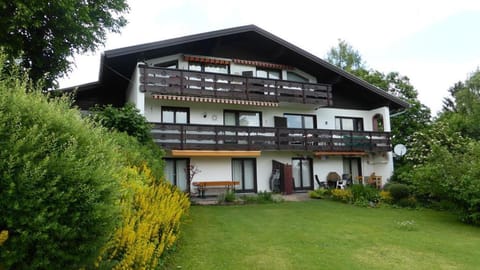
[{"x": 251, "y": 43}]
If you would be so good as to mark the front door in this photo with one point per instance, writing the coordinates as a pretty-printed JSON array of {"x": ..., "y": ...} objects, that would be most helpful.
[
  {"x": 176, "y": 172},
  {"x": 302, "y": 173}
]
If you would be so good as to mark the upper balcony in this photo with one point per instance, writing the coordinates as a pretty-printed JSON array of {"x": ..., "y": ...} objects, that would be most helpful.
[
  {"x": 163, "y": 81},
  {"x": 210, "y": 137}
]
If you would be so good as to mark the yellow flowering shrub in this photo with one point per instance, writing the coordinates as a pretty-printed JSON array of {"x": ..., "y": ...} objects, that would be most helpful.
[
  {"x": 343, "y": 195},
  {"x": 385, "y": 196},
  {"x": 151, "y": 214},
  {"x": 3, "y": 237}
]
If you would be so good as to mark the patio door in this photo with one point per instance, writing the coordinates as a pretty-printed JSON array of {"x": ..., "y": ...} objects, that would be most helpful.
[
  {"x": 176, "y": 172},
  {"x": 352, "y": 166},
  {"x": 244, "y": 170},
  {"x": 302, "y": 173}
]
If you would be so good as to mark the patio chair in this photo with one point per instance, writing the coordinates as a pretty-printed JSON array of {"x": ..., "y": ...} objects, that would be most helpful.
[
  {"x": 321, "y": 184},
  {"x": 332, "y": 179},
  {"x": 342, "y": 184}
]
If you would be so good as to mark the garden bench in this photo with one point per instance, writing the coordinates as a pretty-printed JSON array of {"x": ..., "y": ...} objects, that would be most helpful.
[{"x": 202, "y": 186}]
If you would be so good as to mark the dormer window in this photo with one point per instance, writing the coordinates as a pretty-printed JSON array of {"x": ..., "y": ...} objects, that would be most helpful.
[
  {"x": 169, "y": 64},
  {"x": 292, "y": 76},
  {"x": 208, "y": 67},
  {"x": 274, "y": 74}
]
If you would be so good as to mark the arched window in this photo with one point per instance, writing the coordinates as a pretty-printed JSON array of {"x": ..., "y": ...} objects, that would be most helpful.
[{"x": 377, "y": 122}]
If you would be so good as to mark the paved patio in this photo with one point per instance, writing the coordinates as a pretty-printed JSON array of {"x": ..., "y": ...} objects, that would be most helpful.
[{"x": 213, "y": 200}]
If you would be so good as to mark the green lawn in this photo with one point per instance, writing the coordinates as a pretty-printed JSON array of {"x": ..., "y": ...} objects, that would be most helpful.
[{"x": 322, "y": 234}]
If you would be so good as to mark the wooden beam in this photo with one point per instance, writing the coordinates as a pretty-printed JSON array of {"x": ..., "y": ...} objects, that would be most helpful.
[
  {"x": 318, "y": 154},
  {"x": 214, "y": 153}
]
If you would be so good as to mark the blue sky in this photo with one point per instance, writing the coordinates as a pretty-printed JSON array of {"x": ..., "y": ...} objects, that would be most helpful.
[{"x": 434, "y": 43}]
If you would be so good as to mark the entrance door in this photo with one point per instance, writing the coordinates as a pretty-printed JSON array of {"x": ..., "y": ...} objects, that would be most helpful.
[
  {"x": 244, "y": 170},
  {"x": 302, "y": 173},
  {"x": 176, "y": 172}
]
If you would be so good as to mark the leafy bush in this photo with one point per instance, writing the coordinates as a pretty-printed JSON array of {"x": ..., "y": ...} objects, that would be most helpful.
[
  {"x": 343, "y": 195},
  {"x": 364, "y": 194},
  {"x": 262, "y": 197},
  {"x": 151, "y": 213},
  {"x": 134, "y": 153},
  {"x": 398, "y": 191},
  {"x": 58, "y": 194},
  {"x": 228, "y": 196},
  {"x": 319, "y": 193},
  {"x": 125, "y": 119},
  {"x": 409, "y": 202}
]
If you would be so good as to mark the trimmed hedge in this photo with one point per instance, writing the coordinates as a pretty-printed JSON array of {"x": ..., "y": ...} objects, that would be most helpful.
[
  {"x": 58, "y": 193},
  {"x": 75, "y": 196}
]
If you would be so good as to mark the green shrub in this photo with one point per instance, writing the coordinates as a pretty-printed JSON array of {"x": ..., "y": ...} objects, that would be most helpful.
[
  {"x": 409, "y": 202},
  {"x": 134, "y": 136},
  {"x": 134, "y": 153},
  {"x": 320, "y": 193},
  {"x": 125, "y": 119},
  {"x": 58, "y": 194},
  {"x": 264, "y": 197},
  {"x": 228, "y": 196},
  {"x": 398, "y": 191},
  {"x": 364, "y": 194}
]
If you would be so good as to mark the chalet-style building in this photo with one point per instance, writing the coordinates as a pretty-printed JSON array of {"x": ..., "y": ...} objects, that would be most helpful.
[{"x": 240, "y": 103}]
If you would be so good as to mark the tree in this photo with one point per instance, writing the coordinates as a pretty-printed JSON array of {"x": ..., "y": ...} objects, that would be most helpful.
[
  {"x": 414, "y": 118},
  {"x": 346, "y": 57},
  {"x": 462, "y": 109},
  {"x": 44, "y": 35}
]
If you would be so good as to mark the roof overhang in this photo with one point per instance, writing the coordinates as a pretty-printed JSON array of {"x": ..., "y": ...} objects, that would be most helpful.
[{"x": 249, "y": 43}]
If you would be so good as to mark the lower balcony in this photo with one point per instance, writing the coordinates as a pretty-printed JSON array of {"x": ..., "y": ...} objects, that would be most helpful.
[{"x": 210, "y": 137}]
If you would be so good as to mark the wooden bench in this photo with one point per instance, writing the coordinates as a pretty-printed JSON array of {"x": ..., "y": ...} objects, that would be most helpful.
[{"x": 204, "y": 185}]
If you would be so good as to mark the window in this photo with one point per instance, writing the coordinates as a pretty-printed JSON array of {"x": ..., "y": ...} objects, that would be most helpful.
[
  {"x": 175, "y": 115},
  {"x": 269, "y": 74},
  {"x": 176, "y": 172},
  {"x": 206, "y": 67},
  {"x": 170, "y": 64},
  {"x": 345, "y": 123},
  {"x": 291, "y": 76},
  {"x": 302, "y": 173},
  {"x": 377, "y": 122},
  {"x": 244, "y": 170},
  {"x": 242, "y": 118},
  {"x": 301, "y": 121}
]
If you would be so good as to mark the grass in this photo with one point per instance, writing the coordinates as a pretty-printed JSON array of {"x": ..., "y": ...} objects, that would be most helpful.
[{"x": 322, "y": 234}]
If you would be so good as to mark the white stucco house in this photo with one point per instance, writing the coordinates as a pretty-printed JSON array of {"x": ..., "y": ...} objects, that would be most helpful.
[{"x": 240, "y": 103}]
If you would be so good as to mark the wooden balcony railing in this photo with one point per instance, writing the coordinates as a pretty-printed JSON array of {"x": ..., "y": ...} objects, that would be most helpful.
[
  {"x": 176, "y": 82},
  {"x": 209, "y": 137}
]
